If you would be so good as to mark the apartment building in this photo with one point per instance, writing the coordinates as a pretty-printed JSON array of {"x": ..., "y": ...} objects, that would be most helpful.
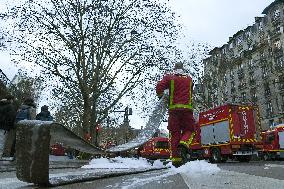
[{"x": 249, "y": 68}]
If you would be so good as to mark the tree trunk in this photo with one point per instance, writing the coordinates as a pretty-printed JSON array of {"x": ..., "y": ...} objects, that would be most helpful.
[{"x": 87, "y": 117}]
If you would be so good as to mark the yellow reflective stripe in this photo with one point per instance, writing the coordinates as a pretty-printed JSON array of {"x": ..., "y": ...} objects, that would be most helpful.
[
  {"x": 172, "y": 86},
  {"x": 172, "y": 105},
  {"x": 176, "y": 159},
  {"x": 181, "y": 106},
  {"x": 189, "y": 141},
  {"x": 183, "y": 142}
]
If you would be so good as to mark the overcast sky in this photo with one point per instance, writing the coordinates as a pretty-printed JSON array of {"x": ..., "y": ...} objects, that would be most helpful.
[
  {"x": 214, "y": 21},
  {"x": 210, "y": 21}
]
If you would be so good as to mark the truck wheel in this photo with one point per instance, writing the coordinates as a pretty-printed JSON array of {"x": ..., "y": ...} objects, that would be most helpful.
[
  {"x": 244, "y": 158},
  {"x": 215, "y": 156}
]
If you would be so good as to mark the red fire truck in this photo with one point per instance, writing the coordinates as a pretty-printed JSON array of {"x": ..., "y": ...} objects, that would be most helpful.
[
  {"x": 155, "y": 148},
  {"x": 228, "y": 131},
  {"x": 273, "y": 142}
]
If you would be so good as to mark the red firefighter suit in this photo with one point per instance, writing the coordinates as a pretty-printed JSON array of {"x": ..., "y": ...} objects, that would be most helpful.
[{"x": 180, "y": 109}]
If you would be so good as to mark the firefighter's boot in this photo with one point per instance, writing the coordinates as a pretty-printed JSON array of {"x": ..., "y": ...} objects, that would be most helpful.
[{"x": 177, "y": 162}]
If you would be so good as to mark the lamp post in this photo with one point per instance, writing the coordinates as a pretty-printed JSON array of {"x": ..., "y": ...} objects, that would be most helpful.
[{"x": 127, "y": 111}]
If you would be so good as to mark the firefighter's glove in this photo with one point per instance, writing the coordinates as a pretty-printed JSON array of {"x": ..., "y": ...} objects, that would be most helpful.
[{"x": 166, "y": 92}]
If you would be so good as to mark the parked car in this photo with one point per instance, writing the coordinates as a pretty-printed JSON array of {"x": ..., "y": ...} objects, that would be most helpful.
[{"x": 57, "y": 149}]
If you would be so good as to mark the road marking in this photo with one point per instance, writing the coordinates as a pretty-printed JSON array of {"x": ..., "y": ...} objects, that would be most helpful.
[{"x": 274, "y": 165}]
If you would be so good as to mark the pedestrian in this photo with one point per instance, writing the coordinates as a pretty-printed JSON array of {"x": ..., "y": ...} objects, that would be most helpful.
[
  {"x": 7, "y": 113},
  {"x": 179, "y": 86},
  {"x": 26, "y": 111},
  {"x": 7, "y": 123},
  {"x": 44, "y": 114}
]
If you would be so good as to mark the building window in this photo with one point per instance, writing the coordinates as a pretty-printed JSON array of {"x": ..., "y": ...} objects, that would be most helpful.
[
  {"x": 267, "y": 90},
  {"x": 224, "y": 50},
  {"x": 251, "y": 65},
  {"x": 239, "y": 40},
  {"x": 248, "y": 34},
  {"x": 253, "y": 96},
  {"x": 264, "y": 71},
  {"x": 243, "y": 97},
  {"x": 260, "y": 26},
  {"x": 251, "y": 79},
  {"x": 280, "y": 62},
  {"x": 233, "y": 98},
  {"x": 225, "y": 78},
  {"x": 232, "y": 84},
  {"x": 277, "y": 44},
  {"x": 281, "y": 85},
  {"x": 240, "y": 66},
  {"x": 276, "y": 14},
  {"x": 269, "y": 108},
  {"x": 232, "y": 74}
]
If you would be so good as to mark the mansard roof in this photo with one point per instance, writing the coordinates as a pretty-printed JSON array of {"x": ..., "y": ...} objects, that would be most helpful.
[{"x": 265, "y": 11}]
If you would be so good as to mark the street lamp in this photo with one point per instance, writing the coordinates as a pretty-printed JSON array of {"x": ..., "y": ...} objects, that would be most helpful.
[{"x": 127, "y": 111}]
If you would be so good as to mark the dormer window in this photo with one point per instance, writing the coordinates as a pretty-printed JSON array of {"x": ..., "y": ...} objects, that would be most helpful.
[
  {"x": 260, "y": 26},
  {"x": 277, "y": 44},
  {"x": 276, "y": 14},
  {"x": 239, "y": 40}
]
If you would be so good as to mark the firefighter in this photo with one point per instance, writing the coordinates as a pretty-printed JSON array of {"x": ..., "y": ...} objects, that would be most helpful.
[{"x": 179, "y": 85}]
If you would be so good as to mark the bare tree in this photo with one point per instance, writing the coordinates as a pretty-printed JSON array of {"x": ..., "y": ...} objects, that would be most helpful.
[
  {"x": 23, "y": 86},
  {"x": 97, "y": 50}
]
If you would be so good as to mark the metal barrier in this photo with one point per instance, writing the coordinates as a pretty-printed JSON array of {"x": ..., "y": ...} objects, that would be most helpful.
[{"x": 33, "y": 140}]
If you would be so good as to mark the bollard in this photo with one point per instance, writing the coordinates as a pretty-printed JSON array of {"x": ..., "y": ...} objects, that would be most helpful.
[
  {"x": 32, "y": 152},
  {"x": 33, "y": 140}
]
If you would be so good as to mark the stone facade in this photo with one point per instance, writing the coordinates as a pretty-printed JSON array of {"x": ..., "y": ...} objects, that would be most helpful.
[{"x": 250, "y": 67}]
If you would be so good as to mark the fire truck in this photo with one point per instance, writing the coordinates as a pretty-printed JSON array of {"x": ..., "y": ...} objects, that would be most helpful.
[
  {"x": 155, "y": 148},
  {"x": 273, "y": 142},
  {"x": 228, "y": 131}
]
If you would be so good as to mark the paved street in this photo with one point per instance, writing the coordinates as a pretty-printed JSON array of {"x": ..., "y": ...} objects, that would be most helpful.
[{"x": 253, "y": 175}]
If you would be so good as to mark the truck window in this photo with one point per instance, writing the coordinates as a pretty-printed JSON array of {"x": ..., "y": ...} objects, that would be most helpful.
[{"x": 162, "y": 144}]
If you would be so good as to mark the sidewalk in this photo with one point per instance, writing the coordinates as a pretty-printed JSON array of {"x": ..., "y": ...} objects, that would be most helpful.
[
  {"x": 55, "y": 162},
  {"x": 71, "y": 173}
]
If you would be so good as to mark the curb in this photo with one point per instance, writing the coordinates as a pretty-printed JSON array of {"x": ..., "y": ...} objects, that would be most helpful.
[{"x": 88, "y": 175}]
